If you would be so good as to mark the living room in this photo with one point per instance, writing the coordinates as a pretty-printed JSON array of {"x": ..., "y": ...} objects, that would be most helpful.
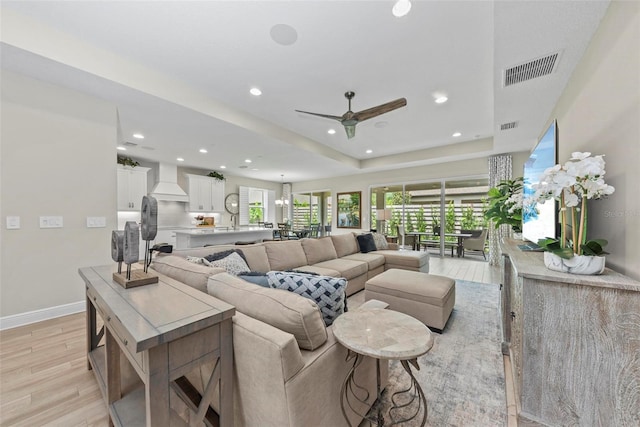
[{"x": 58, "y": 156}]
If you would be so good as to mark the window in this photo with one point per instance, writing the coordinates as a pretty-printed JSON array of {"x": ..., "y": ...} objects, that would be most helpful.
[{"x": 256, "y": 205}]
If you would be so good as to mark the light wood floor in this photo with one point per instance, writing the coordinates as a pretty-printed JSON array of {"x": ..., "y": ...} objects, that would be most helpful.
[{"x": 43, "y": 368}]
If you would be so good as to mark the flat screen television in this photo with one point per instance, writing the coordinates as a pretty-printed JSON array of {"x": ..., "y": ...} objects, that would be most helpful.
[{"x": 540, "y": 220}]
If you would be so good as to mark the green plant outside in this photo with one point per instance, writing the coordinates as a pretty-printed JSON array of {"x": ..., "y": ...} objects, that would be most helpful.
[{"x": 468, "y": 221}]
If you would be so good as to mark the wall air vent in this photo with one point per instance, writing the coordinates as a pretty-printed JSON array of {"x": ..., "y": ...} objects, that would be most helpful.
[
  {"x": 531, "y": 69},
  {"x": 510, "y": 125}
]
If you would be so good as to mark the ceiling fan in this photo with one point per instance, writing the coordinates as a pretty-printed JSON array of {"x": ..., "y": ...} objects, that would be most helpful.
[{"x": 350, "y": 119}]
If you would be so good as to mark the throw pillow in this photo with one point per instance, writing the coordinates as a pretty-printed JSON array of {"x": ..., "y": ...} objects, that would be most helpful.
[
  {"x": 380, "y": 240},
  {"x": 197, "y": 260},
  {"x": 366, "y": 242},
  {"x": 327, "y": 292},
  {"x": 255, "y": 277},
  {"x": 233, "y": 263},
  {"x": 223, "y": 254}
]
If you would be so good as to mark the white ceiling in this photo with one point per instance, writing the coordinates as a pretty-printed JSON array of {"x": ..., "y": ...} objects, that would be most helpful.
[{"x": 180, "y": 73}]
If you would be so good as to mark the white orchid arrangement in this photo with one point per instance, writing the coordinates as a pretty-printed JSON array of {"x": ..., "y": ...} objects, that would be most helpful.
[{"x": 581, "y": 178}]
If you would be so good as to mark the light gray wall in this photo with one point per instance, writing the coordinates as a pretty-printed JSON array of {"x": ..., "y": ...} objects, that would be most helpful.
[
  {"x": 57, "y": 158},
  {"x": 599, "y": 112}
]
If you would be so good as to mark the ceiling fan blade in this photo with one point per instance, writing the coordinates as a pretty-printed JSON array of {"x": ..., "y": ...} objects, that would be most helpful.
[
  {"x": 326, "y": 116},
  {"x": 380, "y": 109},
  {"x": 351, "y": 131}
]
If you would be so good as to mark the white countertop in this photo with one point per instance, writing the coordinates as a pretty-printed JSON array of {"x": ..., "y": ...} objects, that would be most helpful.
[{"x": 216, "y": 230}]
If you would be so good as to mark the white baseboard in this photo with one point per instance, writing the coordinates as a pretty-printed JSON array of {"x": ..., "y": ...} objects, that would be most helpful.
[{"x": 29, "y": 317}]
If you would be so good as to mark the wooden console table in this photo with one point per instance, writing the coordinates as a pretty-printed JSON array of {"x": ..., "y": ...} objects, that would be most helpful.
[
  {"x": 573, "y": 342},
  {"x": 165, "y": 330}
]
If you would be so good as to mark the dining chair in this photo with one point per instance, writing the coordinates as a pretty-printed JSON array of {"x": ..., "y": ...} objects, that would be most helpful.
[
  {"x": 327, "y": 230},
  {"x": 404, "y": 239},
  {"x": 475, "y": 243},
  {"x": 314, "y": 231}
]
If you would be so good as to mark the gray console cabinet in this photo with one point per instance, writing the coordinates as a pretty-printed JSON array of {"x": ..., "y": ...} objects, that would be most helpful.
[{"x": 573, "y": 342}]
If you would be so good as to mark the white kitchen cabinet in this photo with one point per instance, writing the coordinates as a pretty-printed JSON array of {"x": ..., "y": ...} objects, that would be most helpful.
[
  {"x": 205, "y": 194},
  {"x": 132, "y": 186}
]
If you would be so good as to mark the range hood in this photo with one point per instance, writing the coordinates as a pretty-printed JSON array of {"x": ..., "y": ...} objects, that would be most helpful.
[{"x": 167, "y": 188}]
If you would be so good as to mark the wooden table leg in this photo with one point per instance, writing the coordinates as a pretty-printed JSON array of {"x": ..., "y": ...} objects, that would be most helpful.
[
  {"x": 226, "y": 375},
  {"x": 158, "y": 412},
  {"x": 112, "y": 378}
]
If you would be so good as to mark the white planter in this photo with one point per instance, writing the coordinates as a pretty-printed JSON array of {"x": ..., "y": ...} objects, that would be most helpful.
[{"x": 578, "y": 264}]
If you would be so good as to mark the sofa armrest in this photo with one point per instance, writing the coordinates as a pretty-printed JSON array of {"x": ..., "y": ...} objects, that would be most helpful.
[{"x": 261, "y": 346}]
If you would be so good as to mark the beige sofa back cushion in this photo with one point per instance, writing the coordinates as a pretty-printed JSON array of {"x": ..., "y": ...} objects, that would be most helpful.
[
  {"x": 345, "y": 244},
  {"x": 285, "y": 255},
  {"x": 189, "y": 273},
  {"x": 318, "y": 250},
  {"x": 282, "y": 309},
  {"x": 256, "y": 255}
]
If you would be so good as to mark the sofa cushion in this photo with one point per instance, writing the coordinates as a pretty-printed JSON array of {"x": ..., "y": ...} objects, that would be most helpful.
[
  {"x": 345, "y": 244},
  {"x": 189, "y": 273},
  {"x": 409, "y": 259},
  {"x": 285, "y": 255},
  {"x": 327, "y": 292},
  {"x": 373, "y": 259},
  {"x": 284, "y": 310},
  {"x": 346, "y": 268},
  {"x": 318, "y": 250},
  {"x": 319, "y": 270},
  {"x": 366, "y": 243}
]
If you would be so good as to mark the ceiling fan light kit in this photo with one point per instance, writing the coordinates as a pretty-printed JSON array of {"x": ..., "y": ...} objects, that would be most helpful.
[{"x": 350, "y": 119}]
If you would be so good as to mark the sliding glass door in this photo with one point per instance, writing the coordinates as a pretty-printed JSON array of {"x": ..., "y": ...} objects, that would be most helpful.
[
  {"x": 311, "y": 208},
  {"x": 428, "y": 215}
]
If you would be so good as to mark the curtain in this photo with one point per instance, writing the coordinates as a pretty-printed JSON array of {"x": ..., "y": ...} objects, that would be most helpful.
[{"x": 500, "y": 168}]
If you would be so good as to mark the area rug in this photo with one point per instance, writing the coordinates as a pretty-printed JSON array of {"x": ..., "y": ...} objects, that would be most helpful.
[{"x": 463, "y": 374}]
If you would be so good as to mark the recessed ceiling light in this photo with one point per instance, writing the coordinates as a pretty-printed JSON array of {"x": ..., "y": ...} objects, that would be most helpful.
[
  {"x": 121, "y": 148},
  {"x": 401, "y": 8},
  {"x": 247, "y": 160},
  {"x": 138, "y": 136},
  {"x": 369, "y": 151},
  {"x": 255, "y": 91},
  {"x": 203, "y": 150},
  {"x": 456, "y": 134},
  {"x": 255, "y": 169},
  {"x": 441, "y": 99},
  {"x": 331, "y": 131},
  {"x": 381, "y": 124},
  {"x": 223, "y": 167},
  {"x": 180, "y": 159}
]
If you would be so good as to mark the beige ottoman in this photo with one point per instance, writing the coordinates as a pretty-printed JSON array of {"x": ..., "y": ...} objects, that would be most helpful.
[{"x": 427, "y": 297}]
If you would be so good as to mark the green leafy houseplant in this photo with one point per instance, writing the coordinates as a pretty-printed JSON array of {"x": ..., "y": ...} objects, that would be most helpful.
[
  {"x": 505, "y": 204},
  {"x": 127, "y": 161},
  {"x": 216, "y": 175}
]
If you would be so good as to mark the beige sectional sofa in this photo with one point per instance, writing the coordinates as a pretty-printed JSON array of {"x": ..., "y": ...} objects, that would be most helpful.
[{"x": 288, "y": 366}]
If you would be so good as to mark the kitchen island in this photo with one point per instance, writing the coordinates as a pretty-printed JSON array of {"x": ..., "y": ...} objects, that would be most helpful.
[{"x": 195, "y": 238}]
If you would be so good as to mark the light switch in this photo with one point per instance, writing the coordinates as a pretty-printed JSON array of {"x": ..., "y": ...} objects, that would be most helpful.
[
  {"x": 51, "y": 222},
  {"x": 13, "y": 222},
  {"x": 96, "y": 222}
]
